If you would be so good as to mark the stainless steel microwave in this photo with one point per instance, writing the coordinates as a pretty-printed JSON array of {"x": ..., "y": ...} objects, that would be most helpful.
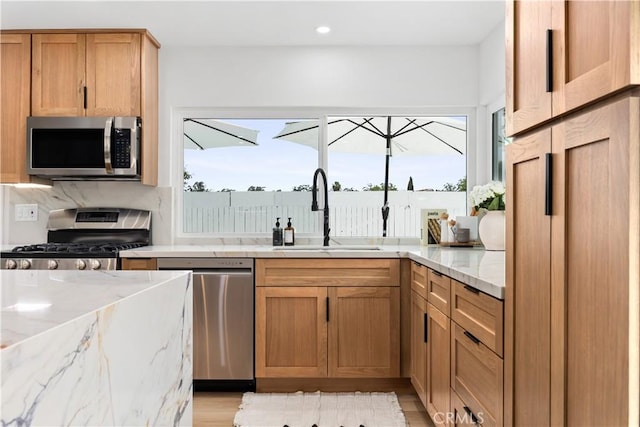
[{"x": 84, "y": 147}]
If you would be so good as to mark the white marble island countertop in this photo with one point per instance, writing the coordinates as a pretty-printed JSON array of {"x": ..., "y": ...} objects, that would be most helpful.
[
  {"x": 476, "y": 267},
  {"x": 99, "y": 348},
  {"x": 35, "y": 301}
]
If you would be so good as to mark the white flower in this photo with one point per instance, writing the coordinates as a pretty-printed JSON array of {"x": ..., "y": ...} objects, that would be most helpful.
[{"x": 481, "y": 196}]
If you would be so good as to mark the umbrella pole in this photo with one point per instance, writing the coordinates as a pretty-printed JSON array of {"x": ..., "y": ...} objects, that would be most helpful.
[{"x": 385, "y": 207}]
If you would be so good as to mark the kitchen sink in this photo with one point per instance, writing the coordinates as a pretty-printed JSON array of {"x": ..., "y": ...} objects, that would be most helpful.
[{"x": 327, "y": 248}]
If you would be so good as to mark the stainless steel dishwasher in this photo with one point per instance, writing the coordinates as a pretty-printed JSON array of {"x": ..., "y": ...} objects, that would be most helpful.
[{"x": 223, "y": 321}]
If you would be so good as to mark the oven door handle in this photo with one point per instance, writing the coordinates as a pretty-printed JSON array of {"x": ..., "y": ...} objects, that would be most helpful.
[{"x": 107, "y": 146}]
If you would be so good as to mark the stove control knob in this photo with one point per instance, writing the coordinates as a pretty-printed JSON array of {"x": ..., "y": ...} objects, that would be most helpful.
[
  {"x": 95, "y": 264},
  {"x": 52, "y": 264},
  {"x": 11, "y": 264},
  {"x": 25, "y": 264},
  {"x": 81, "y": 265}
]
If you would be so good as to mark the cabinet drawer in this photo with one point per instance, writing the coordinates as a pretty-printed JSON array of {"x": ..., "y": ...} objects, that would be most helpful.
[
  {"x": 139, "y": 264},
  {"x": 438, "y": 290},
  {"x": 419, "y": 279},
  {"x": 461, "y": 414},
  {"x": 477, "y": 376},
  {"x": 327, "y": 272},
  {"x": 478, "y": 313}
]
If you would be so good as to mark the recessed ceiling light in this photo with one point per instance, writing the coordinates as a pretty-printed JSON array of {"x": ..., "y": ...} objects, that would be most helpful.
[{"x": 323, "y": 29}]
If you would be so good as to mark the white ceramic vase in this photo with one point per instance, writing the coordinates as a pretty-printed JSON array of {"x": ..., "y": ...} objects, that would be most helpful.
[{"x": 491, "y": 230}]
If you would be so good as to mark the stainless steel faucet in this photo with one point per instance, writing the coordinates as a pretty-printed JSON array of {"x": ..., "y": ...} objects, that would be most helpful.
[{"x": 314, "y": 201}]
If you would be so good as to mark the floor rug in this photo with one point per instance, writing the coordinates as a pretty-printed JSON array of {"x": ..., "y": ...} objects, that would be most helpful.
[{"x": 319, "y": 409}]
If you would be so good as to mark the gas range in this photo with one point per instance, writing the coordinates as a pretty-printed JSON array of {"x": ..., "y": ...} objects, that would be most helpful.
[{"x": 79, "y": 239}]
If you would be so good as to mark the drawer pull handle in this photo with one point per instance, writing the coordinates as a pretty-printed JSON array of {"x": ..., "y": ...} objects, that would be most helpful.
[
  {"x": 426, "y": 327},
  {"x": 437, "y": 273},
  {"x": 474, "y": 419},
  {"x": 470, "y": 289},
  {"x": 471, "y": 337}
]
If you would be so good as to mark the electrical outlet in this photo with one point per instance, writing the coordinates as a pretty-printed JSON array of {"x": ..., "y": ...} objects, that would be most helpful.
[{"x": 26, "y": 212}]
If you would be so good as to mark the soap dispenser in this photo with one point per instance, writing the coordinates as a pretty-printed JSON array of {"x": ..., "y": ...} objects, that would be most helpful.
[
  {"x": 277, "y": 234},
  {"x": 289, "y": 234}
]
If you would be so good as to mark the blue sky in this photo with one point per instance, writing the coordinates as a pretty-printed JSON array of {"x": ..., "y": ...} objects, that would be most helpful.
[{"x": 277, "y": 164}]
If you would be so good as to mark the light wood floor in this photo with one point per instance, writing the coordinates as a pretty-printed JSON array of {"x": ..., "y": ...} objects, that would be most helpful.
[{"x": 218, "y": 409}]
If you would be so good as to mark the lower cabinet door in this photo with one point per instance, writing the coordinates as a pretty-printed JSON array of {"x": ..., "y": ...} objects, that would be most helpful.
[
  {"x": 291, "y": 332},
  {"x": 461, "y": 414},
  {"x": 438, "y": 363},
  {"x": 419, "y": 346},
  {"x": 364, "y": 332}
]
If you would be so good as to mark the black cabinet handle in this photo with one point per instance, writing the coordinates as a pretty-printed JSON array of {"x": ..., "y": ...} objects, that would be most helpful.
[
  {"x": 548, "y": 183},
  {"x": 426, "y": 327},
  {"x": 84, "y": 95},
  {"x": 437, "y": 273},
  {"x": 549, "y": 87},
  {"x": 474, "y": 419},
  {"x": 473, "y": 290},
  {"x": 471, "y": 337},
  {"x": 327, "y": 308}
]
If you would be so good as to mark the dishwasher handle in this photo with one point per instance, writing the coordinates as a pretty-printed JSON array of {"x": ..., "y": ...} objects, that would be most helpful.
[{"x": 221, "y": 271}]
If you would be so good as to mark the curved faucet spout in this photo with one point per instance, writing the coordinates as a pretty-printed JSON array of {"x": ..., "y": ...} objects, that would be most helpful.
[{"x": 314, "y": 201}]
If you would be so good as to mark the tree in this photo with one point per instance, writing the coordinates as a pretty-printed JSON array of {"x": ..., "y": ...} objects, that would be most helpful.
[
  {"x": 186, "y": 177},
  {"x": 379, "y": 187},
  {"x": 198, "y": 186},
  {"x": 410, "y": 184},
  {"x": 336, "y": 186},
  {"x": 227, "y": 190},
  {"x": 255, "y": 188},
  {"x": 303, "y": 187},
  {"x": 461, "y": 185}
]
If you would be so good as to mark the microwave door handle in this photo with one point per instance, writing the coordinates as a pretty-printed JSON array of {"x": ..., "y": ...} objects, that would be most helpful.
[{"x": 107, "y": 146}]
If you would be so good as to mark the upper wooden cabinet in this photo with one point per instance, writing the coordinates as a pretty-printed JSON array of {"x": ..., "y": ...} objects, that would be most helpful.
[
  {"x": 77, "y": 73},
  {"x": 87, "y": 74},
  {"x": 15, "y": 74},
  {"x": 563, "y": 55}
]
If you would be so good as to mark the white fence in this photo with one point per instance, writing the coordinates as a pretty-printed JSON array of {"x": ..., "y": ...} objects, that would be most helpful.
[{"x": 350, "y": 213}]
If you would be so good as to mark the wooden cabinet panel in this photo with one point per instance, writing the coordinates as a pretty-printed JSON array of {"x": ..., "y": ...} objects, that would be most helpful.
[
  {"x": 15, "y": 101},
  {"x": 594, "y": 53},
  {"x": 139, "y": 263},
  {"x": 528, "y": 296},
  {"x": 478, "y": 313},
  {"x": 113, "y": 74},
  {"x": 527, "y": 100},
  {"x": 327, "y": 272},
  {"x": 419, "y": 346},
  {"x": 476, "y": 375},
  {"x": 597, "y": 155},
  {"x": 439, "y": 290},
  {"x": 58, "y": 75},
  {"x": 461, "y": 415},
  {"x": 364, "y": 332},
  {"x": 291, "y": 332},
  {"x": 419, "y": 279},
  {"x": 438, "y": 362}
]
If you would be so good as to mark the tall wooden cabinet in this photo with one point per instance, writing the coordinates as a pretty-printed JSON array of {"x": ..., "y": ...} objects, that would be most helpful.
[
  {"x": 337, "y": 318},
  {"x": 572, "y": 300},
  {"x": 562, "y": 55}
]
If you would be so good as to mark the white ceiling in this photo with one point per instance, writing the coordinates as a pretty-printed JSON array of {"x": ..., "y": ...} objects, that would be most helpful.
[{"x": 271, "y": 23}]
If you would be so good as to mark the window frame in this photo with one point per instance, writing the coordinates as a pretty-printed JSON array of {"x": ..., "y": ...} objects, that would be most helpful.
[{"x": 176, "y": 152}]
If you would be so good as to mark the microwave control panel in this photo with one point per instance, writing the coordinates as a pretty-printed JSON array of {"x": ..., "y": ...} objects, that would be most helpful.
[{"x": 121, "y": 148}]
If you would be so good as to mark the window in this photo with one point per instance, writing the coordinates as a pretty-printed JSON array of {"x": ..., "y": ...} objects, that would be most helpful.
[
  {"x": 241, "y": 174},
  {"x": 498, "y": 142}
]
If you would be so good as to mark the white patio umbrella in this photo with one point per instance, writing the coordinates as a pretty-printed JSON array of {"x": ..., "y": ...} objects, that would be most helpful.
[
  {"x": 388, "y": 135},
  {"x": 200, "y": 134}
]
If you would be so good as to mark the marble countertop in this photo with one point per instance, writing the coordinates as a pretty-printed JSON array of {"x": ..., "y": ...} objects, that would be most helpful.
[
  {"x": 484, "y": 270},
  {"x": 36, "y": 301}
]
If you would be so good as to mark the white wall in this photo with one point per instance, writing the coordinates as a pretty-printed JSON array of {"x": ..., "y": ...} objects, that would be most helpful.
[{"x": 409, "y": 77}]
